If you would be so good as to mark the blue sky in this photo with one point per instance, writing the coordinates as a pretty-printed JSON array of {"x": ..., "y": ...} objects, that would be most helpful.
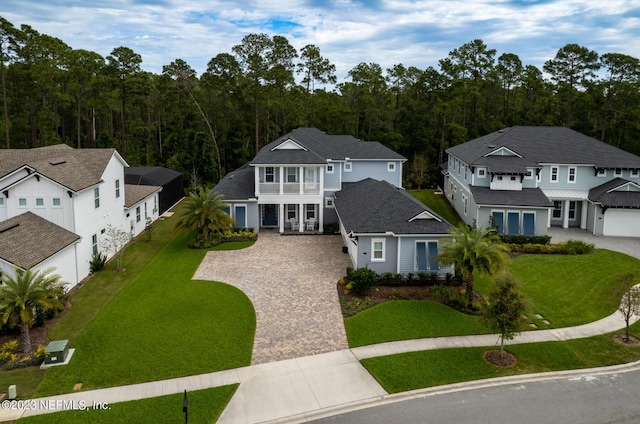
[{"x": 411, "y": 32}]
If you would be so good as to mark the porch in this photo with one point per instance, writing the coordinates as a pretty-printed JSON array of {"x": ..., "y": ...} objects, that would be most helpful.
[{"x": 290, "y": 218}]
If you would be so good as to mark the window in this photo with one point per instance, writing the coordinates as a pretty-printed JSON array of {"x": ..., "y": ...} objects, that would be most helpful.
[
  {"x": 155, "y": 204},
  {"x": 292, "y": 175},
  {"x": 391, "y": 167},
  {"x": 557, "y": 209},
  {"x": 426, "y": 256},
  {"x": 482, "y": 172},
  {"x": 512, "y": 178},
  {"x": 601, "y": 172},
  {"x": 572, "y": 175},
  {"x": 269, "y": 175},
  {"x": 310, "y": 212},
  {"x": 117, "y": 188},
  {"x": 292, "y": 212},
  {"x": 499, "y": 177},
  {"x": 572, "y": 210},
  {"x": 94, "y": 244},
  {"x": 554, "y": 174},
  {"x": 138, "y": 214},
  {"x": 22, "y": 202},
  {"x": 347, "y": 167},
  {"x": 56, "y": 201},
  {"x": 96, "y": 197},
  {"x": 39, "y": 201},
  {"x": 329, "y": 169},
  {"x": 466, "y": 171},
  {"x": 529, "y": 174},
  {"x": 377, "y": 250},
  {"x": 145, "y": 211},
  {"x": 618, "y": 172},
  {"x": 328, "y": 202},
  {"x": 635, "y": 173},
  {"x": 1, "y": 201},
  {"x": 465, "y": 203}
]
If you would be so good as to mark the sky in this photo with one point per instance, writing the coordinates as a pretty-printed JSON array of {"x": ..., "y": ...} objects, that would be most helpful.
[{"x": 347, "y": 32}]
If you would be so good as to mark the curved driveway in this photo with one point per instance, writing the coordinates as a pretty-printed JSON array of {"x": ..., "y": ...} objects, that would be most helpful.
[{"x": 291, "y": 281}]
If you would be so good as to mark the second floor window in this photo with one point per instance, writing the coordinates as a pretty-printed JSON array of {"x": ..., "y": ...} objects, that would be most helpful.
[
  {"x": 347, "y": 167},
  {"x": 117, "y": 188},
  {"x": 572, "y": 175},
  {"x": 554, "y": 174},
  {"x": 329, "y": 169},
  {"x": 138, "y": 214},
  {"x": 292, "y": 175},
  {"x": 22, "y": 202},
  {"x": 96, "y": 197},
  {"x": 269, "y": 175}
]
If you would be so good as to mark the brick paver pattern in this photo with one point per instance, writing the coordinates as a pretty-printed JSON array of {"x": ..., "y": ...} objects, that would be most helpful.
[{"x": 291, "y": 281}]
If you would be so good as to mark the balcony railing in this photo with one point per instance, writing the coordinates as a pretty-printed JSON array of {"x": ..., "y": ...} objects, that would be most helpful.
[{"x": 308, "y": 188}]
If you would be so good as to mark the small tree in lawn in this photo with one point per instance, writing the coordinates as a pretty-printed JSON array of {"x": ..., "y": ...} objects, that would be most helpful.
[
  {"x": 114, "y": 241},
  {"x": 630, "y": 304},
  {"x": 506, "y": 310}
]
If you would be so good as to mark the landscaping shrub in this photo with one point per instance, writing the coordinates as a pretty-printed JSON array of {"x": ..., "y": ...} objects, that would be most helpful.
[
  {"x": 391, "y": 279},
  {"x": 361, "y": 280},
  {"x": 570, "y": 247},
  {"x": 98, "y": 261},
  {"x": 520, "y": 240}
]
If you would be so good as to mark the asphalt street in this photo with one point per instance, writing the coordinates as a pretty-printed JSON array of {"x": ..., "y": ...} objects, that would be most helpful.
[{"x": 581, "y": 399}]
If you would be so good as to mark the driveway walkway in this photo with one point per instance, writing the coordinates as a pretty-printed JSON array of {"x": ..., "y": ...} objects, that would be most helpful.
[
  {"x": 627, "y": 245},
  {"x": 291, "y": 281}
]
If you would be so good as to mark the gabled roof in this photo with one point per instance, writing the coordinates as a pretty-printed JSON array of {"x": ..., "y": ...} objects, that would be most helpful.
[
  {"x": 28, "y": 239},
  {"x": 533, "y": 197},
  {"x": 377, "y": 207},
  {"x": 75, "y": 169},
  {"x": 149, "y": 175},
  {"x": 238, "y": 184},
  {"x": 318, "y": 147},
  {"x": 137, "y": 193},
  {"x": 546, "y": 145},
  {"x": 617, "y": 193}
]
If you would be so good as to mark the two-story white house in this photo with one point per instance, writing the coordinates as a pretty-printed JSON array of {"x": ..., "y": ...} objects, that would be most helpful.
[
  {"x": 308, "y": 179},
  {"x": 59, "y": 201},
  {"x": 526, "y": 179}
]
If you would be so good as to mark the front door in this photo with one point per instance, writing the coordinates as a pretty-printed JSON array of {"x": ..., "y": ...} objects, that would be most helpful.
[{"x": 270, "y": 217}]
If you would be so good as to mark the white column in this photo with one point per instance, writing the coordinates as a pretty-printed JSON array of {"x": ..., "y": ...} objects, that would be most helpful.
[
  {"x": 321, "y": 182},
  {"x": 565, "y": 214},
  {"x": 281, "y": 217},
  {"x": 583, "y": 214},
  {"x": 301, "y": 179},
  {"x": 256, "y": 176},
  {"x": 281, "y": 171},
  {"x": 301, "y": 216},
  {"x": 321, "y": 216}
]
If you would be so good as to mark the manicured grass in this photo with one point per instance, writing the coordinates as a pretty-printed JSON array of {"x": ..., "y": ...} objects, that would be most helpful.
[
  {"x": 205, "y": 406},
  {"x": 572, "y": 290},
  {"x": 161, "y": 325},
  {"x": 408, "y": 319},
  {"x": 438, "y": 203},
  {"x": 25, "y": 379},
  {"x": 415, "y": 370}
]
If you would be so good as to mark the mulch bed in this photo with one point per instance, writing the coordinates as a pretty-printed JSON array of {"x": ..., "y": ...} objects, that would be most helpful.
[{"x": 500, "y": 358}]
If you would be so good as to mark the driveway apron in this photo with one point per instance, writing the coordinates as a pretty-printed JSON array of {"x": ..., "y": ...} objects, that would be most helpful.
[{"x": 291, "y": 281}]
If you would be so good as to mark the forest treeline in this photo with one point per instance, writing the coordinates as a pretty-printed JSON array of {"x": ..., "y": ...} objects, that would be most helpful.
[{"x": 262, "y": 88}]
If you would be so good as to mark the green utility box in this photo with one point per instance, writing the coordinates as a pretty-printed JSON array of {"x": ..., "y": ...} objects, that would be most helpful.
[{"x": 56, "y": 352}]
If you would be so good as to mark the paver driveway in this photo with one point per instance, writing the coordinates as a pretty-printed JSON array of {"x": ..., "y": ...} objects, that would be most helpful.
[{"x": 291, "y": 281}]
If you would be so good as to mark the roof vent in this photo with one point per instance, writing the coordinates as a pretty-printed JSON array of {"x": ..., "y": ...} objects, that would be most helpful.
[
  {"x": 55, "y": 162},
  {"x": 491, "y": 146},
  {"x": 8, "y": 226}
]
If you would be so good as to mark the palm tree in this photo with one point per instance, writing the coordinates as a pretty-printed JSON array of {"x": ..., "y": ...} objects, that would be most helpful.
[
  {"x": 473, "y": 251},
  {"x": 204, "y": 211},
  {"x": 21, "y": 295}
]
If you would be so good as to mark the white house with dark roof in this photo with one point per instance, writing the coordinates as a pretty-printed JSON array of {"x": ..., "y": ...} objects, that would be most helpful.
[
  {"x": 77, "y": 191},
  {"x": 307, "y": 179},
  {"x": 527, "y": 179}
]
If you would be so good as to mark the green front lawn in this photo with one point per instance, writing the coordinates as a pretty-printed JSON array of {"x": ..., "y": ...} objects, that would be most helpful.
[
  {"x": 409, "y": 319},
  {"x": 205, "y": 406},
  {"x": 415, "y": 370},
  {"x": 160, "y": 325},
  {"x": 438, "y": 203}
]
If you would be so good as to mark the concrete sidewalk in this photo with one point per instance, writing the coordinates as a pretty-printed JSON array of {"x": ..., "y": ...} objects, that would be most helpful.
[{"x": 295, "y": 390}]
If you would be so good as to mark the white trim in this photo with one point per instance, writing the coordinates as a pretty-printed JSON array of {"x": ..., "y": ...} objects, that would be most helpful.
[
  {"x": 246, "y": 212},
  {"x": 383, "y": 250},
  {"x": 328, "y": 203},
  {"x": 502, "y": 149},
  {"x": 289, "y": 144},
  {"x": 330, "y": 168},
  {"x": 601, "y": 173},
  {"x": 391, "y": 167},
  {"x": 557, "y": 174},
  {"x": 575, "y": 174},
  {"x": 482, "y": 172},
  {"x": 348, "y": 167}
]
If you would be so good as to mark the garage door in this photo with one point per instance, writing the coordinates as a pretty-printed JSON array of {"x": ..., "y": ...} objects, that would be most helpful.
[{"x": 622, "y": 222}]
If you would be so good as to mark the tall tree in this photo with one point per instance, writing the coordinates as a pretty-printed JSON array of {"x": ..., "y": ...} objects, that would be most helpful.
[
  {"x": 123, "y": 63},
  {"x": 473, "y": 251},
  {"x": 314, "y": 68},
  {"x": 8, "y": 52},
  {"x": 370, "y": 99},
  {"x": 622, "y": 74},
  {"x": 572, "y": 67},
  {"x": 184, "y": 77},
  {"x": 506, "y": 310},
  {"x": 22, "y": 294},
  {"x": 509, "y": 69}
]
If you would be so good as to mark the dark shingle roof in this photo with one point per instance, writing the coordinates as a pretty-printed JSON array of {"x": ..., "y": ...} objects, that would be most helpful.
[
  {"x": 136, "y": 193},
  {"x": 372, "y": 206},
  {"x": 607, "y": 195},
  {"x": 75, "y": 169},
  {"x": 149, "y": 175},
  {"x": 237, "y": 185},
  {"x": 547, "y": 145},
  {"x": 526, "y": 197},
  {"x": 321, "y": 147},
  {"x": 32, "y": 240}
]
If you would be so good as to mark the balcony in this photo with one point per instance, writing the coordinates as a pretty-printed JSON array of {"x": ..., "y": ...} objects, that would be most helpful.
[{"x": 308, "y": 188}]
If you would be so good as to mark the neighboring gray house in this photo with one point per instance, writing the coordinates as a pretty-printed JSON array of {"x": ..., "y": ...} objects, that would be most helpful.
[
  {"x": 388, "y": 230},
  {"x": 530, "y": 178},
  {"x": 295, "y": 183}
]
